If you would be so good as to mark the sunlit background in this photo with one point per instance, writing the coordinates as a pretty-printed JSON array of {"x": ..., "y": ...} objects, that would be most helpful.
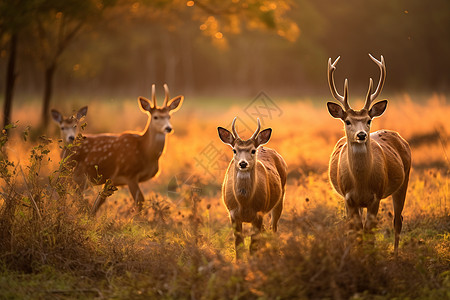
[
  {"x": 246, "y": 58},
  {"x": 107, "y": 48}
]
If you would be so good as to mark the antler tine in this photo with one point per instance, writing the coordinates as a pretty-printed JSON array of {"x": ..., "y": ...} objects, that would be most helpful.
[
  {"x": 257, "y": 130},
  {"x": 368, "y": 101},
  {"x": 372, "y": 96},
  {"x": 342, "y": 99},
  {"x": 166, "y": 98},
  {"x": 233, "y": 128},
  {"x": 153, "y": 96}
]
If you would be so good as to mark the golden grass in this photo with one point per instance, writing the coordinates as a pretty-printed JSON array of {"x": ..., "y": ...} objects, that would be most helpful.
[{"x": 182, "y": 246}]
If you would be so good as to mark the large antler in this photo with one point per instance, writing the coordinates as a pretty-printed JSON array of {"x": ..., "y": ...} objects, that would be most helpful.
[
  {"x": 233, "y": 128},
  {"x": 372, "y": 96},
  {"x": 255, "y": 134},
  {"x": 166, "y": 98},
  {"x": 342, "y": 99},
  {"x": 153, "y": 96}
]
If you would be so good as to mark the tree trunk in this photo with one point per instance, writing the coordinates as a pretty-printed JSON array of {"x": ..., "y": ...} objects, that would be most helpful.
[
  {"x": 49, "y": 75},
  {"x": 10, "y": 80}
]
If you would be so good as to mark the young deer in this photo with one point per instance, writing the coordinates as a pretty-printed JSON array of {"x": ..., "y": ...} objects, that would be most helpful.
[
  {"x": 69, "y": 125},
  {"x": 367, "y": 167},
  {"x": 254, "y": 183},
  {"x": 129, "y": 157}
]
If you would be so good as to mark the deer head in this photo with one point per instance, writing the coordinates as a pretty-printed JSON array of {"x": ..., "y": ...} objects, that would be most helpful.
[
  {"x": 357, "y": 122},
  {"x": 160, "y": 116},
  {"x": 69, "y": 125},
  {"x": 244, "y": 150}
]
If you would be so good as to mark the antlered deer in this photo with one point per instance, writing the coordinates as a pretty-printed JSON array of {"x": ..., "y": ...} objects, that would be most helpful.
[
  {"x": 129, "y": 157},
  {"x": 254, "y": 183},
  {"x": 367, "y": 167},
  {"x": 69, "y": 125}
]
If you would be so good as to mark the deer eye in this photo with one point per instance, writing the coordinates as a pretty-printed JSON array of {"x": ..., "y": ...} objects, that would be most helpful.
[
  {"x": 348, "y": 122},
  {"x": 368, "y": 122},
  {"x": 155, "y": 118},
  {"x": 253, "y": 151},
  {"x": 234, "y": 151}
]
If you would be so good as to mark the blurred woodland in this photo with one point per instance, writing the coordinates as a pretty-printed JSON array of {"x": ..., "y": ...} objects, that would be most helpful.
[{"x": 113, "y": 48}]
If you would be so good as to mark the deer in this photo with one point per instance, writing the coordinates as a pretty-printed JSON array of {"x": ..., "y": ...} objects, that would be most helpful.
[
  {"x": 254, "y": 183},
  {"x": 68, "y": 126},
  {"x": 366, "y": 167},
  {"x": 126, "y": 158}
]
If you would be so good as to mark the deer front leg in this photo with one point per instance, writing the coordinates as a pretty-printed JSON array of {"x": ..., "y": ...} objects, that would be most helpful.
[
  {"x": 98, "y": 202},
  {"x": 371, "y": 220},
  {"x": 372, "y": 211},
  {"x": 258, "y": 227},
  {"x": 238, "y": 238},
  {"x": 135, "y": 191},
  {"x": 353, "y": 214}
]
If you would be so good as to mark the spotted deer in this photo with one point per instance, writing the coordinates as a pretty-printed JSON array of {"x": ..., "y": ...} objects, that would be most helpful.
[
  {"x": 367, "y": 167},
  {"x": 69, "y": 126},
  {"x": 254, "y": 183},
  {"x": 130, "y": 157}
]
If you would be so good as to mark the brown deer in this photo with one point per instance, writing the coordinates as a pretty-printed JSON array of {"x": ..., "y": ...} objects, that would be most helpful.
[
  {"x": 69, "y": 125},
  {"x": 254, "y": 183},
  {"x": 367, "y": 167},
  {"x": 129, "y": 157}
]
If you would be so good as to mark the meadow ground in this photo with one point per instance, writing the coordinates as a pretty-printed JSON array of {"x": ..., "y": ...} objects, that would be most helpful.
[{"x": 182, "y": 247}]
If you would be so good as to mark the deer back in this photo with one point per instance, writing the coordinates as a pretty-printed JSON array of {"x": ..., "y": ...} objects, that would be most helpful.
[{"x": 119, "y": 157}]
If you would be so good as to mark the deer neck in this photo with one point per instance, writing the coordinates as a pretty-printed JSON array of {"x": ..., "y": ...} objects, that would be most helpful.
[
  {"x": 153, "y": 141},
  {"x": 360, "y": 160},
  {"x": 244, "y": 184}
]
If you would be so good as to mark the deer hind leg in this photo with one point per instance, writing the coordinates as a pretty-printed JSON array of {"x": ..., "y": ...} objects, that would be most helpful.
[
  {"x": 135, "y": 191},
  {"x": 399, "y": 201},
  {"x": 276, "y": 213}
]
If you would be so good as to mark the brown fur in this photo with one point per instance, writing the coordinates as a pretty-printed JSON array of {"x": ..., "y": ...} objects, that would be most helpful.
[
  {"x": 250, "y": 194},
  {"x": 127, "y": 158},
  {"x": 367, "y": 167}
]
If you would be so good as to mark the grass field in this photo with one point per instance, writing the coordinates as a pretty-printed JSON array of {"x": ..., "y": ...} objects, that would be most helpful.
[{"x": 182, "y": 246}]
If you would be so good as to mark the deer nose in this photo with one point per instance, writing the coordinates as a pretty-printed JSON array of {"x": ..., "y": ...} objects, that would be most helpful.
[
  {"x": 168, "y": 129},
  {"x": 361, "y": 135},
  {"x": 71, "y": 138},
  {"x": 243, "y": 164}
]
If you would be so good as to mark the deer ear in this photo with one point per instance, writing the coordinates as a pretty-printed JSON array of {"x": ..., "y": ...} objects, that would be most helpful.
[
  {"x": 56, "y": 116},
  {"x": 175, "y": 103},
  {"x": 378, "y": 108},
  {"x": 263, "y": 137},
  {"x": 226, "y": 136},
  {"x": 82, "y": 112},
  {"x": 336, "y": 110},
  {"x": 145, "y": 104}
]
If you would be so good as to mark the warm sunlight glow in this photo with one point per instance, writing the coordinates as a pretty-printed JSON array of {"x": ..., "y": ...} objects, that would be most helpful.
[
  {"x": 190, "y": 3},
  {"x": 218, "y": 35},
  {"x": 135, "y": 7}
]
